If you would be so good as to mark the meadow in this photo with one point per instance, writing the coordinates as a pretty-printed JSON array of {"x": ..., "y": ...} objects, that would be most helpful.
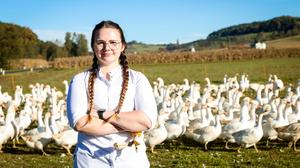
[
  {"x": 181, "y": 152},
  {"x": 258, "y": 70}
]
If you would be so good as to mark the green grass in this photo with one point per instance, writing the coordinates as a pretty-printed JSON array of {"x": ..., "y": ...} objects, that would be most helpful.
[
  {"x": 140, "y": 48},
  {"x": 258, "y": 70},
  {"x": 179, "y": 153},
  {"x": 182, "y": 152}
]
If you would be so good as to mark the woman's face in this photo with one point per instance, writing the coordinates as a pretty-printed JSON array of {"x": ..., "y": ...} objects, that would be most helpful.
[{"x": 108, "y": 46}]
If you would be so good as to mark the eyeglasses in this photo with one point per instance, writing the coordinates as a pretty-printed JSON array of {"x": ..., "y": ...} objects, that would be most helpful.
[{"x": 112, "y": 44}]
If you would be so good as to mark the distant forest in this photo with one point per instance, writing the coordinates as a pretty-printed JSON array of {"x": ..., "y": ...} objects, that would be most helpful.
[
  {"x": 21, "y": 42},
  {"x": 286, "y": 25}
]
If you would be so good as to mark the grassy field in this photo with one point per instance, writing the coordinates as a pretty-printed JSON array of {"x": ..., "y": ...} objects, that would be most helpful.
[
  {"x": 181, "y": 152},
  {"x": 288, "y": 42},
  {"x": 258, "y": 70}
]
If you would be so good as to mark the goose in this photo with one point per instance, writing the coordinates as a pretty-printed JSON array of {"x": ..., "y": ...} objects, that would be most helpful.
[
  {"x": 9, "y": 130},
  {"x": 273, "y": 112},
  {"x": 297, "y": 110},
  {"x": 41, "y": 124},
  {"x": 207, "y": 134},
  {"x": 194, "y": 92},
  {"x": 160, "y": 82},
  {"x": 176, "y": 127},
  {"x": 259, "y": 96},
  {"x": 41, "y": 140},
  {"x": 197, "y": 123},
  {"x": 2, "y": 116},
  {"x": 268, "y": 131},
  {"x": 291, "y": 116},
  {"x": 281, "y": 119},
  {"x": 66, "y": 84},
  {"x": 66, "y": 139},
  {"x": 236, "y": 99},
  {"x": 249, "y": 137},
  {"x": 22, "y": 122},
  {"x": 290, "y": 133},
  {"x": 278, "y": 83},
  {"x": 244, "y": 83},
  {"x": 53, "y": 125},
  {"x": 157, "y": 135},
  {"x": 185, "y": 86},
  {"x": 157, "y": 95},
  {"x": 210, "y": 86},
  {"x": 236, "y": 125}
]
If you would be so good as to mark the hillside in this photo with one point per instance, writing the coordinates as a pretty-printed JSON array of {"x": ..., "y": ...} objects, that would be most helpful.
[
  {"x": 137, "y": 47},
  {"x": 289, "y": 42},
  {"x": 279, "y": 32},
  {"x": 286, "y": 25},
  {"x": 243, "y": 35}
]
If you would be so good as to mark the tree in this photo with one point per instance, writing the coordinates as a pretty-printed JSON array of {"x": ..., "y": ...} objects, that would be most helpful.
[
  {"x": 68, "y": 43},
  {"x": 82, "y": 48},
  {"x": 16, "y": 42}
]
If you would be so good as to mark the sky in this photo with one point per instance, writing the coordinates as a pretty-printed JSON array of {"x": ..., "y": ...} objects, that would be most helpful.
[{"x": 147, "y": 21}]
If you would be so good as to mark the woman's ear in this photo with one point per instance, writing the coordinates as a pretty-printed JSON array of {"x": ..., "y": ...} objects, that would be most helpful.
[{"x": 123, "y": 48}]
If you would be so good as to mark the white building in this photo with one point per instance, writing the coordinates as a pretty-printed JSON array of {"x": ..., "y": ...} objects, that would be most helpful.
[{"x": 260, "y": 45}]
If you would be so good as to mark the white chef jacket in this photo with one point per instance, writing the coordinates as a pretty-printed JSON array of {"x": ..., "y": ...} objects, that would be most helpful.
[{"x": 139, "y": 96}]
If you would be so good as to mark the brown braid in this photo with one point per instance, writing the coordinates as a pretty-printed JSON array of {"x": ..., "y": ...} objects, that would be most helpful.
[
  {"x": 124, "y": 63},
  {"x": 91, "y": 81},
  {"x": 93, "y": 74}
]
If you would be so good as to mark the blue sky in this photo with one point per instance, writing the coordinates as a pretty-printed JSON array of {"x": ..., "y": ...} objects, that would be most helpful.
[{"x": 147, "y": 21}]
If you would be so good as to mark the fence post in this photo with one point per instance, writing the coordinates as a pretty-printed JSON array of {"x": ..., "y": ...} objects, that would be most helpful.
[{"x": 13, "y": 82}]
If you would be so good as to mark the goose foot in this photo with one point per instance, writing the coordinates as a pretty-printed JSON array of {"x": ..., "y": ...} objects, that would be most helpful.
[
  {"x": 256, "y": 148},
  {"x": 226, "y": 146},
  {"x": 152, "y": 149},
  {"x": 239, "y": 149},
  {"x": 295, "y": 148}
]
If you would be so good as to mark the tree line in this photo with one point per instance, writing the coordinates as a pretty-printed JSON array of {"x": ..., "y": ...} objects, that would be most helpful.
[
  {"x": 18, "y": 42},
  {"x": 286, "y": 25}
]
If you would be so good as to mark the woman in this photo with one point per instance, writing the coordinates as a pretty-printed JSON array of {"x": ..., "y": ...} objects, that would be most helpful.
[{"x": 110, "y": 105}]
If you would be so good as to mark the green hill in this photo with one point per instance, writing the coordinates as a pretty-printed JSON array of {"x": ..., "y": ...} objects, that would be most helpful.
[
  {"x": 248, "y": 33},
  {"x": 137, "y": 47}
]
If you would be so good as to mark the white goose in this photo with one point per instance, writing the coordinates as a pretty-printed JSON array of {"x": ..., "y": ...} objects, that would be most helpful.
[
  {"x": 176, "y": 127},
  {"x": 66, "y": 139},
  {"x": 197, "y": 123},
  {"x": 2, "y": 116},
  {"x": 157, "y": 135},
  {"x": 8, "y": 131},
  {"x": 209, "y": 133},
  {"x": 41, "y": 140},
  {"x": 65, "y": 82},
  {"x": 268, "y": 131},
  {"x": 41, "y": 124},
  {"x": 237, "y": 125},
  {"x": 249, "y": 137},
  {"x": 281, "y": 119}
]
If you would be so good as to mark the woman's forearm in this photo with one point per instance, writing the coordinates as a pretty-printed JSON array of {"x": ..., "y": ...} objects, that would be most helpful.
[
  {"x": 133, "y": 121},
  {"x": 95, "y": 126}
]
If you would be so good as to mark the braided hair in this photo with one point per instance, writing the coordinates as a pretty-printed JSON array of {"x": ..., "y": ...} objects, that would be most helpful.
[{"x": 94, "y": 69}]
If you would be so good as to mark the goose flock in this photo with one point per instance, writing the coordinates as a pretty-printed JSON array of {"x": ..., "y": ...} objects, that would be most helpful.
[
  {"x": 38, "y": 118},
  {"x": 235, "y": 111}
]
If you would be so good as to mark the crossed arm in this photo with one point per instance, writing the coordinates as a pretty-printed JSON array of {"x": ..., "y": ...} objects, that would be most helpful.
[{"x": 132, "y": 121}]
